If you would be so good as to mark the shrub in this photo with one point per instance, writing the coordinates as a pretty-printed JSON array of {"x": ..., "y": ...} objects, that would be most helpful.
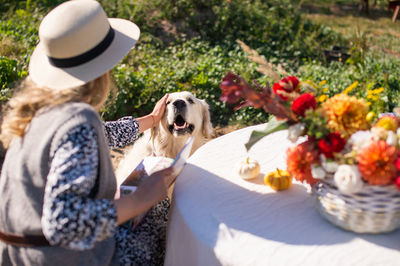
[
  {"x": 9, "y": 74},
  {"x": 194, "y": 65},
  {"x": 199, "y": 48}
]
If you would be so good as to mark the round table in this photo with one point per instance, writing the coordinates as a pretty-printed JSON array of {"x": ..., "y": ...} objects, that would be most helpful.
[{"x": 217, "y": 218}]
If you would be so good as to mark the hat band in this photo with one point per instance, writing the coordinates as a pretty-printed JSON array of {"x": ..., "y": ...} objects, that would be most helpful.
[{"x": 87, "y": 56}]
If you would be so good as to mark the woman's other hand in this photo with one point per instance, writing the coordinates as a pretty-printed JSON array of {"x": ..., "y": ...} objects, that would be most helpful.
[
  {"x": 154, "y": 188},
  {"x": 151, "y": 191}
]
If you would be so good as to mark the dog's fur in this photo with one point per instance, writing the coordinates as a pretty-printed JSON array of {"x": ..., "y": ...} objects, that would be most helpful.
[{"x": 184, "y": 116}]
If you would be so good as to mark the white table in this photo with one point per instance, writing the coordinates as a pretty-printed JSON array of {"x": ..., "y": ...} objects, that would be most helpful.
[{"x": 219, "y": 219}]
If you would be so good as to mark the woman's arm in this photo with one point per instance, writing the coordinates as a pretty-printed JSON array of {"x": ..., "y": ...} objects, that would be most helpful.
[
  {"x": 121, "y": 132},
  {"x": 71, "y": 218},
  {"x": 127, "y": 129}
]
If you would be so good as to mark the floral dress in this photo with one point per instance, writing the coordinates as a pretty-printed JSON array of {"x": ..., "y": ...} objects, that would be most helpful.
[{"x": 73, "y": 219}]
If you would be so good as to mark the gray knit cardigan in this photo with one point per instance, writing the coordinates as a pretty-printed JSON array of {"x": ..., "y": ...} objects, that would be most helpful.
[{"x": 23, "y": 180}]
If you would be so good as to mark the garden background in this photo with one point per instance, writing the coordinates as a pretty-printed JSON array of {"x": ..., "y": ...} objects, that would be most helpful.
[{"x": 191, "y": 45}]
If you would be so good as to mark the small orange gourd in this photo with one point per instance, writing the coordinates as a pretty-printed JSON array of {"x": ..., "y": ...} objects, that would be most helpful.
[{"x": 278, "y": 180}]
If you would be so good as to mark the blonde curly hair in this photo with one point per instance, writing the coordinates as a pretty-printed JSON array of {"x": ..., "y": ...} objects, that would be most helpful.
[{"x": 30, "y": 98}]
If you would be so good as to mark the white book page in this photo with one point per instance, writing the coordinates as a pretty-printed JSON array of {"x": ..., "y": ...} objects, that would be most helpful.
[
  {"x": 148, "y": 166},
  {"x": 152, "y": 164}
]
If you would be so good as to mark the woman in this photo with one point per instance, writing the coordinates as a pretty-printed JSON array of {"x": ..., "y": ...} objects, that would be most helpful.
[{"x": 57, "y": 183}]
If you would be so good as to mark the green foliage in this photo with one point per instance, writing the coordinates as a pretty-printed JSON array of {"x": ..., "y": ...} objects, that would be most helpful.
[
  {"x": 315, "y": 124},
  {"x": 272, "y": 126},
  {"x": 19, "y": 35},
  {"x": 191, "y": 45},
  {"x": 371, "y": 73},
  {"x": 193, "y": 65},
  {"x": 7, "y": 5},
  {"x": 9, "y": 73}
]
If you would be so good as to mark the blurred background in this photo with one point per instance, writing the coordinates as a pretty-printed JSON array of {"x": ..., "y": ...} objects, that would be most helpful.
[{"x": 191, "y": 45}]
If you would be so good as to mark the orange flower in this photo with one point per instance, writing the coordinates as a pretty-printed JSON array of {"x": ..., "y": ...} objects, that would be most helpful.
[
  {"x": 346, "y": 114},
  {"x": 377, "y": 163},
  {"x": 299, "y": 161}
]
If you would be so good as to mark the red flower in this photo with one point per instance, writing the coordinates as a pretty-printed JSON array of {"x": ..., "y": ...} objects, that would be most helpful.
[
  {"x": 288, "y": 84},
  {"x": 397, "y": 163},
  {"x": 331, "y": 143},
  {"x": 231, "y": 89},
  {"x": 236, "y": 90},
  {"x": 299, "y": 161},
  {"x": 398, "y": 182},
  {"x": 303, "y": 103}
]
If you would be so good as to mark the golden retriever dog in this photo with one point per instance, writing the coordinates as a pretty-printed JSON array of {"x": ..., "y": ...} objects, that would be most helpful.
[{"x": 184, "y": 116}]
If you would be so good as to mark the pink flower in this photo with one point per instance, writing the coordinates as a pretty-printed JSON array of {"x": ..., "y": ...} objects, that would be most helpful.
[{"x": 302, "y": 103}]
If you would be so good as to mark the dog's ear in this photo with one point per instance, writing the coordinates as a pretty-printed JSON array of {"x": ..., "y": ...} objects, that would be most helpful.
[
  {"x": 207, "y": 128},
  {"x": 154, "y": 131}
]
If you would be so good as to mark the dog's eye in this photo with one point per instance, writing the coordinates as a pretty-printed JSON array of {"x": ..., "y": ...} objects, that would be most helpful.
[
  {"x": 190, "y": 101},
  {"x": 168, "y": 102}
]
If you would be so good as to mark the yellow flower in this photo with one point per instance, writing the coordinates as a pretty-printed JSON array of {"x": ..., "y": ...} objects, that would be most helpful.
[
  {"x": 372, "y": 97},
  {"x": 350, "y": 88},
  {"x": 308, "y": 82},
  {"x": 387, "y": 122},
  {"x": 370, "y": 116},
  {"x": 322, "y": 83},
  {"x": 376, "y": 91},
  {"x": 346, "y": 114},
  {"x": 322, "y": 98}
]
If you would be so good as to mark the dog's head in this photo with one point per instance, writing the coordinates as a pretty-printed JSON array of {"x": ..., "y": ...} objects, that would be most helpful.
[{"x": 185, "y": 115}]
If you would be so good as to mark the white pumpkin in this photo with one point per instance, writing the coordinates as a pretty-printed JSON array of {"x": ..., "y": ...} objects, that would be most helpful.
[{"x": 248, "y": 168}]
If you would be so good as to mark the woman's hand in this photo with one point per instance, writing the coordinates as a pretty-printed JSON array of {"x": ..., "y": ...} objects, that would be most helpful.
[
  {"x": 152, "y": 119},
  {"x": 152, "y": 190},
  {"x": 159, "y": 109}
]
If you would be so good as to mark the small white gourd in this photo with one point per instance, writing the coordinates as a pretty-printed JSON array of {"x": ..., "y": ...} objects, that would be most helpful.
[{"x": 248, "y": 168}]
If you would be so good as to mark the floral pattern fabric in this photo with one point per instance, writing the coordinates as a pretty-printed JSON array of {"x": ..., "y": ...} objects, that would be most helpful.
[{"x": 72, "y": 219}]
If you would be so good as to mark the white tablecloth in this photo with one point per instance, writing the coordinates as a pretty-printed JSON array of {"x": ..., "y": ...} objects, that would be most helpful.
[{"x": 219, "y": 219}]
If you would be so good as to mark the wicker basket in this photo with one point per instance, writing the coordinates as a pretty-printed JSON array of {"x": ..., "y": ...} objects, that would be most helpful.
[{"x": 375, "y": 210}]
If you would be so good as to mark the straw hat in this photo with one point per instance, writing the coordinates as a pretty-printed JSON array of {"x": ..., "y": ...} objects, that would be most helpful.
[{"x": 78, "y": 43}]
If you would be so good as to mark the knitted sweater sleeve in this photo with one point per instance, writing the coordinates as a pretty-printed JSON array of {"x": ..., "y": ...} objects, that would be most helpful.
[
  {"x": 71, "y": 218},
  {"x": 121, "y": 132}
]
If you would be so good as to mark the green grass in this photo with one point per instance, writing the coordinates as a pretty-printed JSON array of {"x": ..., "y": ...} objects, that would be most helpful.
[
  {"x": 191, "y": 44},
  {"x": 376, "y": 29}
]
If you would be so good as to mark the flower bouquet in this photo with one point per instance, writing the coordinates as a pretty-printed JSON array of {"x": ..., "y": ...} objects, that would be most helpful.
[{"x": 350, "y": 156}]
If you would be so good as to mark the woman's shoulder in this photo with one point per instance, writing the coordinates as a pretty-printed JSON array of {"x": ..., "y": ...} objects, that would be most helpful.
[
  {"x": 66, "y": 111},
  {"x": 77, "y": 107},
  {"x": 67, "y": 116}
]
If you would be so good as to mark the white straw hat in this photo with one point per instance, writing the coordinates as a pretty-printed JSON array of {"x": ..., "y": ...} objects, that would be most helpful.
[{"x": 78, "y": 43}]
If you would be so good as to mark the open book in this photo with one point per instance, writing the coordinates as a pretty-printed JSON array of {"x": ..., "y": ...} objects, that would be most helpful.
[{"x": 148, "y": 166}]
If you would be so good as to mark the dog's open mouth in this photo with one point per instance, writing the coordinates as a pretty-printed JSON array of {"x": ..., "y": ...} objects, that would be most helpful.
[{"x": 180, "y": 126}]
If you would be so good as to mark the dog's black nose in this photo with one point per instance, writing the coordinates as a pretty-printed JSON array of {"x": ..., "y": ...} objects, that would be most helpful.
[{"x": 179, "y": 104}]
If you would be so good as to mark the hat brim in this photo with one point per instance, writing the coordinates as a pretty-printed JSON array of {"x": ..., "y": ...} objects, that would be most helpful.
[{"x": 44, "y": 74}]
